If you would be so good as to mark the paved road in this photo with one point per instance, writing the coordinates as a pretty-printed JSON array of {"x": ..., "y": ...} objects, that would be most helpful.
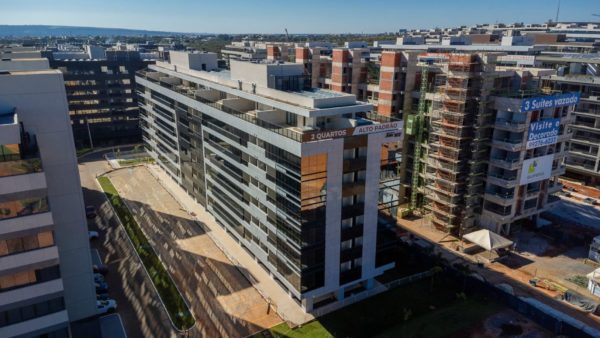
[
  {"x": 138, "y": 306},
  {"x": 222, "y": 299}
]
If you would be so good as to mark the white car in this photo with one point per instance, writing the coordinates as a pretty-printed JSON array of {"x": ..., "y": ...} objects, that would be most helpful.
[
  {"x": 93, "y": 235},
  {"x": 106, "y": 306}
]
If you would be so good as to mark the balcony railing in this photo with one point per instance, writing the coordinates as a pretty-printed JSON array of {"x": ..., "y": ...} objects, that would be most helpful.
[
  {"x": 20, "y": 167},
  {"x": 510, "y": 125},
  {"x": 249, "y": 116},
  {"x": 512, "y": 145},
  {"x": 506, "y": 163},
  {"x": 23, "y": 207}
]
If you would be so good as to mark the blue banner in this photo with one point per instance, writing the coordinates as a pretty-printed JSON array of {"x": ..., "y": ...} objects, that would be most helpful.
[
  {"x": 542, "y": 102},
  {"x": 543, "y": 133}
]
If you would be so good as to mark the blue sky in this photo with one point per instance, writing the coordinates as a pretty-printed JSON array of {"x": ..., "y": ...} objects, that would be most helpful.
[{"x": 298, "y": 16}]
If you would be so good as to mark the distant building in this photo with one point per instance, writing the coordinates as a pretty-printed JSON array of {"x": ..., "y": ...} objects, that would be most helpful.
[
  {"x": 102, "y": 104},
  {"x": 46, "y": 277},
  {"x": 580, "y": 73}
]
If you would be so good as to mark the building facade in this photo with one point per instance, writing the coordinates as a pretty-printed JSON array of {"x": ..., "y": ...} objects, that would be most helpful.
[
  {"x": 46, "y": 277},
  {"x": 579, "y": 73},
  {"x": 305, "y": 179},
  {"x": 102, "y": 102},
  {"x": 470, "y": 144}
]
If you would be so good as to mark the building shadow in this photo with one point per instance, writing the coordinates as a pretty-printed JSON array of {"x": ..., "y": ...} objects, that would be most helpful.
[{"x": 218, "y": 292}]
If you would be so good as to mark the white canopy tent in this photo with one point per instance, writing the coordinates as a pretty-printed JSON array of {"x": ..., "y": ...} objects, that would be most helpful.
[{"x": 487, "y": 239}]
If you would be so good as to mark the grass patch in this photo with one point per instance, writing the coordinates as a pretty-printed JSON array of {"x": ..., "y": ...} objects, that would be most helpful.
[
  {"x": 428, "y": 308},
  {"x": 83, "y": 151},
  {"x": 176, "y": 306},
  {"x": 136, "y": 161}
]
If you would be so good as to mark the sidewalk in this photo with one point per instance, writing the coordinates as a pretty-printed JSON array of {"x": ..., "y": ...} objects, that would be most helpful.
[{"x": 285, "y": 306}]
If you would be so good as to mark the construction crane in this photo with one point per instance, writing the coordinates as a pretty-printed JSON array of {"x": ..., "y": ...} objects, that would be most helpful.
[
  {"x": 418, "y": 122},
  {"x": 287, "y": 36}
]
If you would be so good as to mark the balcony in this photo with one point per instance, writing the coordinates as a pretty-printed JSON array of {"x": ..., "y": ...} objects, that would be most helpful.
[
  {"x": 500, "y": 214},
  {"x": 508, "y": 144},
  {"x": 554, "y": 188},
  {"x": 502, "y": 180},
  {"x": 509, "y": 125},
  {"x": 20, "y": 167},
  {"x": 506, "y": 163},
  {"x": 504, "y": 199},
  {"x": 532, "y": 193},
  {"x": 558, "y": 171},
  {"x": 24, "y": 207}
]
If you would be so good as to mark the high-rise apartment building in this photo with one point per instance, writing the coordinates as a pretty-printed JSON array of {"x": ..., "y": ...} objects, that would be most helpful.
[
  {"x": 579, "y": 73},
  {"x": 484, "y": 146},
  {"x": 100, "y": 90},
  {"x": 305, "y": 179},
  {"x": 46, "y": 277}
]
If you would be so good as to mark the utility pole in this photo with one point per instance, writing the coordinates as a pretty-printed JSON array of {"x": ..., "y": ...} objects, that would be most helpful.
[{"x": 87, "y": 123}]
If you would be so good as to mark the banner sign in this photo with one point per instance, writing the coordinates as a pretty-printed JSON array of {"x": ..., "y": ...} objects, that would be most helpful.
[
  {"x": 395, "y": 126},
  {"x": 542, "y": 102},
  {"x": 543, "y": 133},
  {"x": 536, "y": 169}
]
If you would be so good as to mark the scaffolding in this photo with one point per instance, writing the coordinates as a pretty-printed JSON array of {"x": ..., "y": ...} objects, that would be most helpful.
[
  {"x": 419, "y": 123},
  {"x": 457, "y": 145}
]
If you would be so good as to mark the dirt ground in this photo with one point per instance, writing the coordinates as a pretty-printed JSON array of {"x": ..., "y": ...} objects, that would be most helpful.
[{"x": 507, "y": 323}]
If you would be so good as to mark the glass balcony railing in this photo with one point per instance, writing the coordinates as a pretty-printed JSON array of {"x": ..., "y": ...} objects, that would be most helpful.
[
  {"x": 24, "y": 207},
  {"x": 289, "y": 131},
  {"x": 20, "y": 167}
]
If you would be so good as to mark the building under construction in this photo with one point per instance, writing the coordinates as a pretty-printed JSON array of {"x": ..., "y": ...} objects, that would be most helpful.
[{"x": 474, "y": 142}]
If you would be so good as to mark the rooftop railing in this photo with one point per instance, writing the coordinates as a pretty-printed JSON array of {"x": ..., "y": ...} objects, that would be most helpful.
[{"x": 291, "y": 132}]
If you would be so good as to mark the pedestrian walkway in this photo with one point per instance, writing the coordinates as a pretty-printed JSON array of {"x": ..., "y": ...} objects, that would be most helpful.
[{"x": 282, "y": 302}]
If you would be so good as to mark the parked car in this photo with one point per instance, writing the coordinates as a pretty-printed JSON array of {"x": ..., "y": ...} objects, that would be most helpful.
[
  {"x": 101, "y": 286},
  {"x": 99, "y": 278},
  {"x": 93, "y": 235},
  {"x": 90, "y": 211},
  {"x": 591, "y": 201},
  {"x": 101, "y": 269},
  {"x": 102, "y": 296},
  {"x": 106, "y": 306},
  {"x": 571, "y": 189}
]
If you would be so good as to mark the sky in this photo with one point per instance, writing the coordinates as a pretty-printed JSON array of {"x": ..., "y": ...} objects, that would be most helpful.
[{"x": 298, "y": 16}]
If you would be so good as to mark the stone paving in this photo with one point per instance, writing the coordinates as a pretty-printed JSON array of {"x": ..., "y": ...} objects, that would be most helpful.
[
  {"x": 223, "y": 300},
  {"x": 283, "y": 303}
]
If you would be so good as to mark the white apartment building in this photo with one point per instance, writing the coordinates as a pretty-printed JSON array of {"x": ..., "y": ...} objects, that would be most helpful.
[
  {"x": 46, "y": 277},
  {"x": 304, "y": 179}
]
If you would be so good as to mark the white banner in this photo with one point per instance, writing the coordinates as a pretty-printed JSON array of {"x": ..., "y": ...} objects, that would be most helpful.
[{"x": 536, "y": 169}]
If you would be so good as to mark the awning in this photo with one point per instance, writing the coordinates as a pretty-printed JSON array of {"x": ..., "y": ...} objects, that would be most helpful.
[{"x": 487, "y": 239}]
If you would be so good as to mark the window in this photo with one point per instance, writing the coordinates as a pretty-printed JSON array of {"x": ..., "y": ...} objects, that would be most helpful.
[
  {"x": 346, "y": 223},
  {"x": 346, "y": 245}
]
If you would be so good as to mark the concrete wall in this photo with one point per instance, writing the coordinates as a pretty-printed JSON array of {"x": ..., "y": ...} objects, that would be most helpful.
[{"x": 196, "y": 61}]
